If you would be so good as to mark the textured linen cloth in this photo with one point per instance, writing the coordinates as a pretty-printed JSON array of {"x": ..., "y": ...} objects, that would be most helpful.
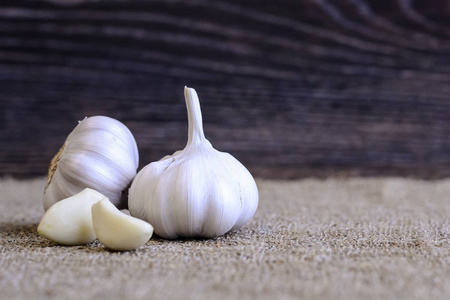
[{"x": 385, "y": 238}]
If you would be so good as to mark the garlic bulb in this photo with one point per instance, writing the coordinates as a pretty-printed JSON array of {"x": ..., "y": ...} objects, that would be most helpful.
[
  {"x": 101, "y": 154},
  {"x": 196, "y": 192}
]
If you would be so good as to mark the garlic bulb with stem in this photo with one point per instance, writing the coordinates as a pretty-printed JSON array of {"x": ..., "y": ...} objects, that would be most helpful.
[
  {"x": 196, "y": 192},
  {"x": 101, "y": 154}
]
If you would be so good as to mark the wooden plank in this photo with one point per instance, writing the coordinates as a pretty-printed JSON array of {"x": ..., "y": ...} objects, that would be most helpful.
[{"x": 292, "y": 88}]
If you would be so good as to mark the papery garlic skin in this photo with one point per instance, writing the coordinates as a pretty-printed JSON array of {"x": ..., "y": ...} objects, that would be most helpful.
[
  {"x": 69, "y": 221},
  {"x": 100, "y": 153},
  {"x": 196, "y": 192},
  {"x": 117, "y": 230}
]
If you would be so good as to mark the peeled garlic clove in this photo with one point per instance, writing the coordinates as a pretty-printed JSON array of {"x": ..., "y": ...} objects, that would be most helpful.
[
  {"x": 119, "y": 231},
  {"x": 196, "y": 192},
  {"x": 69, "y": 221},
  {"x": 100, "y": 153}
]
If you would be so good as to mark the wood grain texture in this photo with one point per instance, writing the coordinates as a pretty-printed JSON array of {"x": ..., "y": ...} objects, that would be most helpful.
[{"x": 290, "y": 88}]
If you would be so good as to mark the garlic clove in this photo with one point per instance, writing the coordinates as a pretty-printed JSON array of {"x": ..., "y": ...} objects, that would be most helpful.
[
  {"x": 69, "y": 221},
  {"x": 195, "y": 192},
  {"x": 117, "y": 230},
  {"x": 100, "y": 153}
]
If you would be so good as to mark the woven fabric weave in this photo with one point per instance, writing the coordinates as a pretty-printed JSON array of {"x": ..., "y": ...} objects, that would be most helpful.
[{"x": 385, "y": 238}]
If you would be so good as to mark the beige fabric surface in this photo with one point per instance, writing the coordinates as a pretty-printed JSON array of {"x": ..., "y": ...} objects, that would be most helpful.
[{"x": 310, "y": 239}]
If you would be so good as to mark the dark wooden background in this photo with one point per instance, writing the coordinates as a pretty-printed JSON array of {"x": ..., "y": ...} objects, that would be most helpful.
[{"x": 290, "y": 88}]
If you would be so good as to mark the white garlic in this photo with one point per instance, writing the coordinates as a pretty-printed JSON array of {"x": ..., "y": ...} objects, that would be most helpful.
[
  {"x": 196, "y": 192},
  {"x": 100, "y": 153},
  {"x": 117, "y": 230},
  {"x": 69, "y": 221}
]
